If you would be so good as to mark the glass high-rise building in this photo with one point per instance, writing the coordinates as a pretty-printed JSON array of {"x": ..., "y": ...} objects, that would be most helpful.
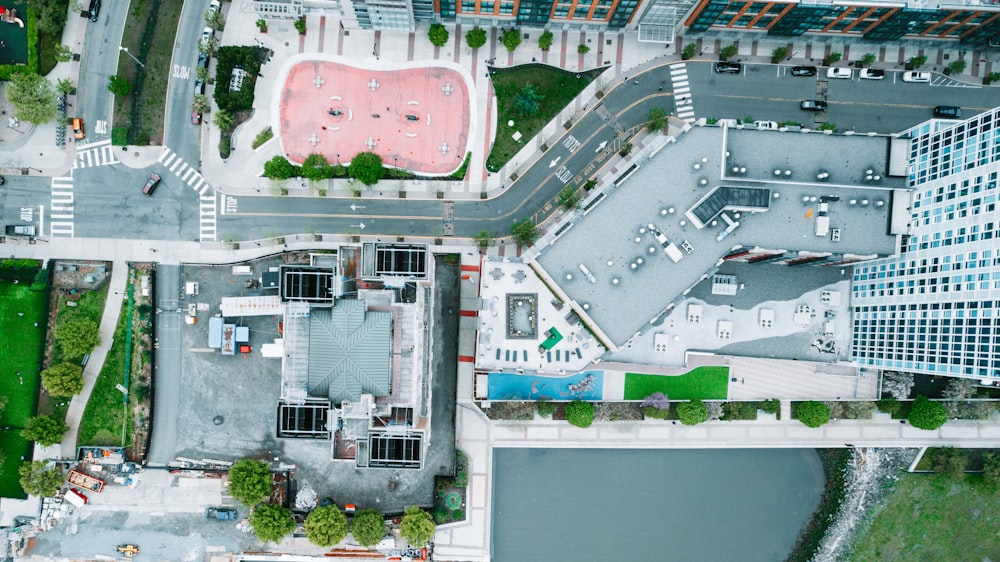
[{"x": 935, "y": 308}]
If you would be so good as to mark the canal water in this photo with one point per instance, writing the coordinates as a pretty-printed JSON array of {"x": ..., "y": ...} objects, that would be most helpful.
[{"x": 656, "y": 505}]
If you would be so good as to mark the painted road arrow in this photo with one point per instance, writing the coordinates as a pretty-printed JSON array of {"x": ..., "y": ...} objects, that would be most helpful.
[{"x": 554, "y": 162}]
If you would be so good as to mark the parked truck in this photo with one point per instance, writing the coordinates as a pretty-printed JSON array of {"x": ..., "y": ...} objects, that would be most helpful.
[
  {"x": 85, "y": 481},
  {"x": 20, "y": 230},
  {"x": 221, "y": 513}
]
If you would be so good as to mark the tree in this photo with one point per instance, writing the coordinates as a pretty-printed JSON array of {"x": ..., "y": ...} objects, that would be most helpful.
[
  {"x": 545, "y": 40},
  {"x": 511, "y": 39},
  {"x": 959, "y": 389},
  {"x": 728, "y": 52},
  {"x": 888, "y": 405},
  {"x": 957, "y": 66},
  {"x": 300, "y": 25},
  {"x": 201, "y": 103},
  {"x": 545, "y": 408},
  {"x": 813, "y": 414},
  {"x": 582, "y": 49},
  {"x": 868, "y": 59},
  {"x": 326, "y": 525},
  {"x": 207, "y": 46},
  {"x": 928, "y": 415},
  {"x": 278, "y": 168},
  {"x": 33, "y": 98},
  {"x": 991, "y": 468},
  {"x": 476, "y": 37},
  {"x": 692, "y": 413},
  {"x": 250, "y": 481},
  {"x": 368, "y": 527},
  {"x": 65, "y": 86},
  {"x": 779, "y": 54},
  {"x": 38, "y": 479},
  {"x": 51, "y": 15},
  {"x": 831, "y": 59},
  {"x": 625, "y": 149},
  {"x": 314, "y": 167},
  {"x": 483, "y": 240},
  {"x": 214, "y": 20},
  {"x": 858, "y": 409},
  {"x": 63, "y": 380},
  {"x": 656, "y": 120},
  {"x": 438, "y": 35},
  {"x": 119, "y": 86},
  {"x": 949, "y": 461},
  {"x": 224, "y": 120},
  {"x": 689, "y": 51},
  {"x": 917, "y": 61},
  {"x": 63, "y": 53},
  {"x": 46, "y": 430},
  {"x": 897, "y": 383},
  {"x": 526, "y": 102},
  {"x": 569, "y": 197},
  {"x": 656, "y": 400},
  {"x": 272, "y": 522},
  {"x": 201, "y": 73},
  {"x": 367, "y": 168},
  {"x": 714, "y": 410},
  {"x": 417, "y": 526},
  {"x": 525, "y": 232},
  {"x": 580, "y": 413},
  {"x": 77, "y": 337}
]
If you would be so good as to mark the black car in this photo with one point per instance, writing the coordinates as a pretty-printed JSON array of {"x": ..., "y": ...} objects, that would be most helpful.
[
  {"x": 813, "y": 105},
  {"x": 948, "y": 111},
  {"x": 728, "y": 67},
  {"x": 803, "y": 71},
  {"x": 94, "y": 10}
]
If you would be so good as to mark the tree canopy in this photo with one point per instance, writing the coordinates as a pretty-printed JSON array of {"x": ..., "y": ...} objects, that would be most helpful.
[
  {"x": 417, "y": 526},
  {"x": 314, "y": 167},
  {"x": 656, "y": 120},
  {"x": 77, "y": 337},
  {"x": 51, "y": 14},
  {"x": 368, "y": 527},
  {"x": 119, "y": 86},
  {"x": 525, "y": 232},
  {"x": 250, "y": 481},
  {"x": 326, "y": 525},
  {"x": 813, "y": 414},
  {"x": 476, "y": 37},
  {"x": 511, "y": 39},
  {"x": 63, "y": 380},
  {"x": 46, "y": 430},
  {"x": 438, "y": 35},
  {"x": 545, "y": 40},
  {"x": 925, "y": 414},
  {"x": 38, "y": 479},
  {"x": 692, "y": 413},
  {"x": 367, "y": 168},
  {"x": 483, "y": 239},
  {"x": 991, "y": 468},
  {"x": 580, "y": 413},
  {"x": 527, "y": 100},
  {"x": 33, "y": 97},
  {"x": 278, "y": 168},
  {"x": 272, "y": 522}
]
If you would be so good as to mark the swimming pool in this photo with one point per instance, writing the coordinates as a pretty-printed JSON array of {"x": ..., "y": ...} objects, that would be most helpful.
[{"x": 588, "y": 385}]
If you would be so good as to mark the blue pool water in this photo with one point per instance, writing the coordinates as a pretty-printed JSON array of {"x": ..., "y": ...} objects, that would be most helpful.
[{"x": 588, "y": 385}]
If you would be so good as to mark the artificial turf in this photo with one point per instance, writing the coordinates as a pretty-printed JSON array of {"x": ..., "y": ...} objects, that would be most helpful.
[
  {"x": 704, "y": 383},
  {"x": 20, "y": 352}
]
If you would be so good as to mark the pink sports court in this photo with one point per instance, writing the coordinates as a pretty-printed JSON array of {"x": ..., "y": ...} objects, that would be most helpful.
[{"x": 416, "y": 119}]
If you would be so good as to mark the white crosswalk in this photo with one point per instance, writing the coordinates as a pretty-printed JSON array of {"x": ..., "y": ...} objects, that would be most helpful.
[
  {"x": 61, "y": 207},
  {"x": 207, "y": 201},
  {"x": 99, "y": 153},
  {"x": 682, "y": 92}
]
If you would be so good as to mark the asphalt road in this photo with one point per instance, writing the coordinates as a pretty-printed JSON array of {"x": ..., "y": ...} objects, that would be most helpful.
[
  {"x": 98, "y": 61},
  {"x": 180, "y": 135}
]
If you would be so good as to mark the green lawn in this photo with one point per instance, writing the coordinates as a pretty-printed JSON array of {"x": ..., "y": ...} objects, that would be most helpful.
[
  {"x": 105, "y": 413},
  {"x": 934, "y": 517},
  {"x": 558, "y": 88},
  {"x": 705, "y": 383},
  {"x": 89, "y": 305},
  {"x": 20, "y": 351}
]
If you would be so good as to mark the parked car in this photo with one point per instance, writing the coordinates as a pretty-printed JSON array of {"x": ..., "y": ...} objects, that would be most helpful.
[
  {"x": 813, "y": 105},
  {"x": 78, "y": 131},
  {"x": 728, "y": 67},
  {"x": 94, "y": 10},
  {"x": 840, "y": 73},
  {"x": 207, "y": 33},
  {"x": 803, "y": 71},
  {"x": 221, "y": 513},
  {"x": 151, "y": 183},
  {"x": 914, "y": 76},
  {"x": 766, "y": 125},
  {"x": 872, "y": 74},
  {"x": 948, "y": 112},
  {"x": 195, "y": 118},
  {"x": 214, "y": 6}
]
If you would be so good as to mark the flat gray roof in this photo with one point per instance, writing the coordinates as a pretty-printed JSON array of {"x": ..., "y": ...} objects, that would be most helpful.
[{"x": 623, "y": 294}]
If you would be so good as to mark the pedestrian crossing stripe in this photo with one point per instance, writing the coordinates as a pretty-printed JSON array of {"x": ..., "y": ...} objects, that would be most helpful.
[
  {"x": 99, "y": 153},
  {"x": 683, "y": 104},
  {"x": 61, "y": 207},
  {"x": 207, "y": 204}
]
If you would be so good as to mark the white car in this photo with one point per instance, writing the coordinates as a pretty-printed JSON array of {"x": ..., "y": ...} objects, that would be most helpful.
[
  {"x": 914, "y": 76},
  {"x": 839, "y": 73},
  {"x": 766, "y": 125},
  {"x": 214, "y": 6},
  {"x": 207, "y": 33},
  {"x": 871, "y": 74}
]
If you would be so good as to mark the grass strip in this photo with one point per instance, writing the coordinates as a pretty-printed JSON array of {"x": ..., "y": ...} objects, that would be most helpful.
[
  {"x": 106, "y": 412},
  {"x": 705, "y": 383}
]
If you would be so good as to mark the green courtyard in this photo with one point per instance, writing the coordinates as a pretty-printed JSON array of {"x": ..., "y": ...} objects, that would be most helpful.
[{"x": 703, "y": 383}]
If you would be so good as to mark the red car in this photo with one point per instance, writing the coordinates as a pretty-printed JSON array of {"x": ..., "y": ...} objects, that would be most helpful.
[{"x": 195, "y": 118}]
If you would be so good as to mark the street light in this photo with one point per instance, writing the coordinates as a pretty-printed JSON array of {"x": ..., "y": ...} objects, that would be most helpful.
[{"x": 125, "y": 50}]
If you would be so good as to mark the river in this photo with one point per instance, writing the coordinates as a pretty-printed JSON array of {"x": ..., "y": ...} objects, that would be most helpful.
[{"x": 656, "y": 505}]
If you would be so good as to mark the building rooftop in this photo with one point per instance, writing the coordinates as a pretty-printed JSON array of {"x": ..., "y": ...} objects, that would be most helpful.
[
  {"x": 639, "y": 250},
  {"x": 349, "y": 351}
]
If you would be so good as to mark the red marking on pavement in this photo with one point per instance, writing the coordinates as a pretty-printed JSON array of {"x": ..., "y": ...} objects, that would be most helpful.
[
  {"x": 466, "y": 359},
  {"x": 562, "y": 50},
  {"x": 621, "y": 49},
  {"x": 470, "y": 268},
  {"x": 377, "y": 116},
  {"x": 458, "y": 42},
  {"x": 302, "y": 43},
  {"x": 409, "y": 48},
  {"x": 583, "y": 41},
  {"x": 489, "y": 122},
  {"x": 467, "y": 313},
  {"x": 322, "y": 32},
  {"x": 500, "y": 250},
  {"x": 340, "y": 39}
]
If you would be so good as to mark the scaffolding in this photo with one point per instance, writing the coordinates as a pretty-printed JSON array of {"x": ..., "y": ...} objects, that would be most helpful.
[{"x": 295, "y": 363}]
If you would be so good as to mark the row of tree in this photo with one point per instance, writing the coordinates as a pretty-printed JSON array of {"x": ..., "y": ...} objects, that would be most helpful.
[
  {"x": 250, "y": 483},
  {"x": 365, "y": 167},
  {"x": 511, "y": 38}
]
